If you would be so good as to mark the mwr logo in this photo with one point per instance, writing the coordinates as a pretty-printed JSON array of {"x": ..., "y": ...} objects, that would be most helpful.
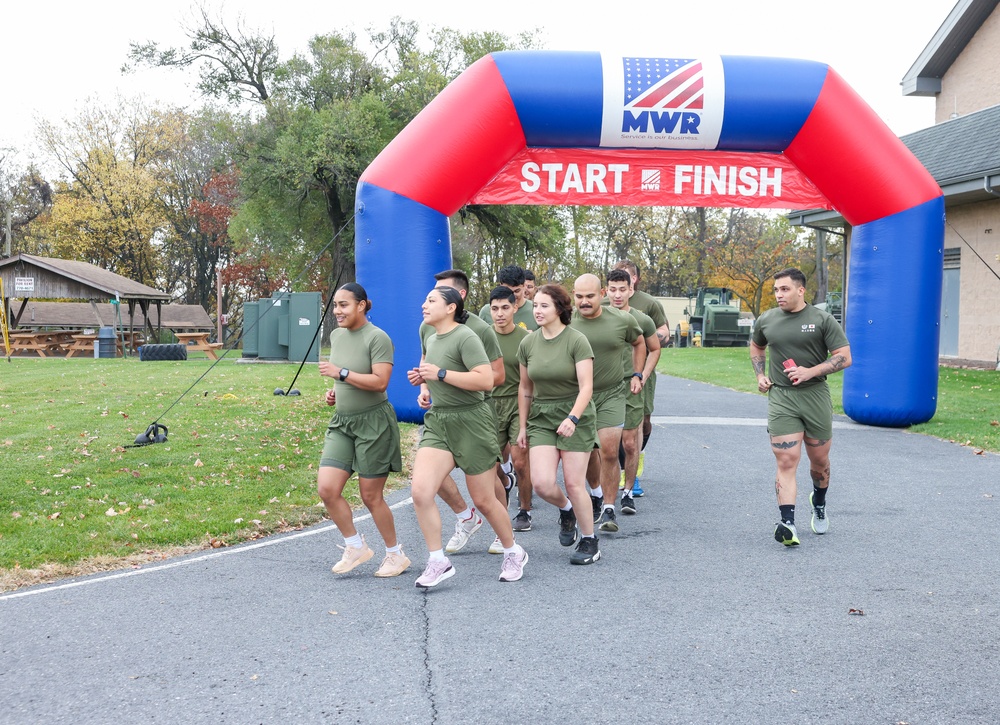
[
  {"x": 650, "y": 180},
  {"x": 663, "y": 96}
]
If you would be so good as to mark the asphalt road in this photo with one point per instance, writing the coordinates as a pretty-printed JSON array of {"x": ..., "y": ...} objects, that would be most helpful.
[{"x": 693, "y": 615}]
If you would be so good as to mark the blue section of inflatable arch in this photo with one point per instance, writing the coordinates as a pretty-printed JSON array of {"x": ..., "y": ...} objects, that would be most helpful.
[
  {"x": 564, "y": 109},
  {"x": 895, "y": 286},
  {"x": 762, "y": 115},
  {"x": 383, "y": 264},
  {"x": 803, "y": 109}
]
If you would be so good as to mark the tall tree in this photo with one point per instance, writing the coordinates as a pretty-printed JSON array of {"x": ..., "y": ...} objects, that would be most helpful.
[
  {"x": 237, "y": 64},
  {"x": 745, "y": 257},
  {"x": 24, "y": 196},
  {"x": 106, "y": 210}
]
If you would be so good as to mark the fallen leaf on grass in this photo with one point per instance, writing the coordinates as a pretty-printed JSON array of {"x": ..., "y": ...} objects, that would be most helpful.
[
  {"x": 198, "y": 463},
  {"x": 56, "y": 515},
  {"x": 217, "y": 543},
  {"x": 111, "y": 512},
  {"x": 995, "y": 422}
]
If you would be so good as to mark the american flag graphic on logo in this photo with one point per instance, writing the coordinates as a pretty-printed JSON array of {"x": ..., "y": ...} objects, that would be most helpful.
[{"x": 664, "y": 83}]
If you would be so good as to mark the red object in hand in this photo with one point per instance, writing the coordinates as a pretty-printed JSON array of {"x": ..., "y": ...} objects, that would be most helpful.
[{"x": 789, "y": 363}]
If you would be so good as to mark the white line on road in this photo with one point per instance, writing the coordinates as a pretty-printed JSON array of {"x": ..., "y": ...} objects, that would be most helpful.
[
  {"x": 96, "y": 579},
  {"x": 753, "y": 422}
]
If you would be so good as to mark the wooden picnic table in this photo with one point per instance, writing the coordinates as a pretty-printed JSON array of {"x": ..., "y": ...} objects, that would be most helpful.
[
  {"x": 42, "y": 342},
  {"x": 198, "y": 341},
  {"x": 84, "y": 343},
  {"x": 81, "y": 343}
]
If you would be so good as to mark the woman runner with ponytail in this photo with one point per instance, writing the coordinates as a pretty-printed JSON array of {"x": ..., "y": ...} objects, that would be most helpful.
[
  {"x": 363, "y": 435},
  {"x": 459, "y": 430}
]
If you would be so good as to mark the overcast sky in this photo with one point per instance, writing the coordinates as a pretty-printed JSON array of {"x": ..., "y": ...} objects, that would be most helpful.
[{"x": 56, "y": 54}]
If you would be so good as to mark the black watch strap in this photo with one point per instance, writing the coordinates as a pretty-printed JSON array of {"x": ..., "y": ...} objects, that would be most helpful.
[
  {"x": 576, "y": 421},
  {"x": 344, "y": 372}
]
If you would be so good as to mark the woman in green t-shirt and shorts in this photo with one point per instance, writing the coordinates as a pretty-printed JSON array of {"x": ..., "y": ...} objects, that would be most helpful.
[
  {"x": 459, "y": 431},
  {"x": 557, "y": 416},
  {"x": 363, "y": 434}
]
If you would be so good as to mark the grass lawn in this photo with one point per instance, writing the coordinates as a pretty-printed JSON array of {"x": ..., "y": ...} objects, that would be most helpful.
[
  {"x": 968, "y": 400},
  {"x": 239, "y": 463}
]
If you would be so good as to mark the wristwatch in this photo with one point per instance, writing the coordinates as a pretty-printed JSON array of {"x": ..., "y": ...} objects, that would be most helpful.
[
  {"x": 441, "y": 373},
  {"x": 637, "y": 375},
  {"x": 574, "y": 419},
  {"x": 344, "y": 372}
]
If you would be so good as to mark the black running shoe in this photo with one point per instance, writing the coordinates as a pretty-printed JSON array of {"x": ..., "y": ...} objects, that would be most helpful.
[
  {"x": 597, "y": 502},
  {"x": 522, "y": 521},
  {"x": 628, "y": 504},
  {"x": 567, "y": 528},
  {"x": 586, "y": 551}
]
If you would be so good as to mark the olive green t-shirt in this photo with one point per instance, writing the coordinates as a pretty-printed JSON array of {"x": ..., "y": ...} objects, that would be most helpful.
[
  {"x": 483, "y": 331},
  {"x": 806, "y": 336},
  {"x": 648, "y": 329},
  {"x": 508, "y": 346},
  {"x": 552, "y": 363},
  {"x": 460, "y": 350},
  {"x": 610, "y": 334},
  {"x": 524, "y": 317},
  {"x": 357, "y": 350}
]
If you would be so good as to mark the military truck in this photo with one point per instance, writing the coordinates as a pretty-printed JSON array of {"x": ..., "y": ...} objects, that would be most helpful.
[{"x": 713, "y": 320}]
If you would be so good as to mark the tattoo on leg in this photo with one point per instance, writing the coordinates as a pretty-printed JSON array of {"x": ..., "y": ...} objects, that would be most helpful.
[
  {"x": 820, "y": 479},
  {"x": 783, "y": 445},
  {"x": 777, "y": 485},
  {"x": 817, "y": 443}
]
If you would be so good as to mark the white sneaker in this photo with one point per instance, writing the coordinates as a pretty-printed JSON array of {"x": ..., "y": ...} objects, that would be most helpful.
[
  {"x": 496, "y": 547},
  {"x": 512, "y": 568},
  {"x": 463, "y": 530},
  {"x": 435, "y": 573}
]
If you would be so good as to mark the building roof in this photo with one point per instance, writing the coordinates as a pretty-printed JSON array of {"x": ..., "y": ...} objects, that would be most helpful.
[
  {"x": 963, "y": 156},
  {"x": 962, "y": 23},
  {"x": 70, "y": 279},
  {"x": 75, "y": 315}
]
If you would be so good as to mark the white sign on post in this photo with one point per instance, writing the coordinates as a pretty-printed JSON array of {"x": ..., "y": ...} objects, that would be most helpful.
[{"x": 24, "y": 284}]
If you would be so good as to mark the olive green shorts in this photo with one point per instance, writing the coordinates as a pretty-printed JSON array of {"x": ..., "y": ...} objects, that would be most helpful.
[
  {"x": 508, "y": 421},
  {"x": 545, "y": 417},
  {"x": 806, "y": 410},
  {"x": 366, "y": 442},
  {"x": 634, "y": 408},
  {"x": 468, "y": 432},
  {"x": 648, "y": 393},
  {"x": 610, "y": 407}
]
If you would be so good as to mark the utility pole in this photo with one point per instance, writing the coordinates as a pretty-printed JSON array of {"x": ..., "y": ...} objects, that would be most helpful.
[{"x": 6, "y": 246}]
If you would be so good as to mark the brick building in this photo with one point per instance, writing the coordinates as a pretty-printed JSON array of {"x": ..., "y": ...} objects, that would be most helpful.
[{"x": 958, "y": 67}]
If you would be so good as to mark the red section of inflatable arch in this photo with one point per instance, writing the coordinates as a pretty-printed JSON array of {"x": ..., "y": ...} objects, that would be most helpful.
[
  {"x": 877, "y": 175},
  {"x": 440, "y": 159}
]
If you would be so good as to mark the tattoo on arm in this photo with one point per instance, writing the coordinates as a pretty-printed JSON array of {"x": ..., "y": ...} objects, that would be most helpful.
[
  {"x": 664, "y": 339},
  {"x": 837, "y": 363},
  {"x": 758, "y": 362}
]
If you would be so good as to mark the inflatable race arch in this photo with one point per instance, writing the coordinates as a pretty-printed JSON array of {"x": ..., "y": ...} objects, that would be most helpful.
[{"x": 591, "y": 128}]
